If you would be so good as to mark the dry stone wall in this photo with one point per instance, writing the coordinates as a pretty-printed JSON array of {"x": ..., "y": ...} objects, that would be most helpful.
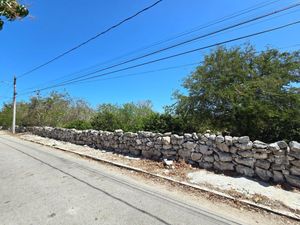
[{"x": 278, "y": 162}]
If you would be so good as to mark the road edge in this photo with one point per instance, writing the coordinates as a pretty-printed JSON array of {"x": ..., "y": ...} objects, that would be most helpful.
[{"x": 217, "y": 193}]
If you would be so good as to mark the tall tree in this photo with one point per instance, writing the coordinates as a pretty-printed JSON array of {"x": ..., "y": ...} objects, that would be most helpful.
[
  {"x": 246, "y": 93},
  {"x": 11, "y": 10}
]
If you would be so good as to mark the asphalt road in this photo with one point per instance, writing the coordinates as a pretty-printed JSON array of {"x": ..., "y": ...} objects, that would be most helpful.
[{"x": 40, "y": 185}]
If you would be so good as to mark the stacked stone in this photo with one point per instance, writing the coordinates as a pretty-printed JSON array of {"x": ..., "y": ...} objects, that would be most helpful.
[
  {"x": 279, "y": 161},
  {"x": 293, "y": 174}
]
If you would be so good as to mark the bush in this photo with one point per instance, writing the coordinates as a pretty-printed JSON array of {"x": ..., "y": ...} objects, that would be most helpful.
[
  {"x": 163, "y": 123},
  {"x": 128, "y": 117},
  {"x": 79, "y": 125}
]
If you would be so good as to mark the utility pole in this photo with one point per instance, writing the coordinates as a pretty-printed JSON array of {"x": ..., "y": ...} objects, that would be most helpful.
[{"x": 14, "y": 106}]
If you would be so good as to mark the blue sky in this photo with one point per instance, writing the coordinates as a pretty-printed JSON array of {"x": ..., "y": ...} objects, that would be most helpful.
[{"x": 57, "y": 25}]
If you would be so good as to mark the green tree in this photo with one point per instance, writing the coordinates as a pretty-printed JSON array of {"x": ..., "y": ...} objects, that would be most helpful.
[
  {"x": 11, "y": 10},
  {"x": 107, "y": 118},
  {"x": 163, "y": 123},
  {"x": 129, "y": 117},
  {"x": 49, "y": 111},
  {"x": 6, "y": 114},
  {"x": 79, "y": 125},
  {"x": 245, "y": 93},
  {"x": 57, "y": 109}
]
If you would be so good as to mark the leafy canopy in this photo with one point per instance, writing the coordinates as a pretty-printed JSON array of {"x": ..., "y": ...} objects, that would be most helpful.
[
  {"x": 57, "y": 110},
  {"x": 129, "y": 117},
  {"x": 11, "y": 10},
  {"x": 245, "y": 93}
]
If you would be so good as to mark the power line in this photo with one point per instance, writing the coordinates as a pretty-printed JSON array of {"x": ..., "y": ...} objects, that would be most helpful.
[
  {"x": 139, "y": 73},
  {"x": 173, "y": 56},
  {"x": 145, "y": 72},
  {"x": 217, "y": 21},
  {"x": 164, "y": 69},
  {"x": 187, "y": 41},
  {"x": 201, "y": 27},
  {"x": 5, "y": 82},
  {"x": 92, "y": 38}
]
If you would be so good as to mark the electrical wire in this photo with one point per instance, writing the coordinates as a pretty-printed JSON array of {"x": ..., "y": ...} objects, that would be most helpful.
[
  {"x": 91, "y": 39},
  {"x": 144, "y": 72},
  {"x": 164, "y": 69},
  {"x": 175, "y": 55},
  {"x": 201, "y": 27},
  {"x": 187, "y": 41}
]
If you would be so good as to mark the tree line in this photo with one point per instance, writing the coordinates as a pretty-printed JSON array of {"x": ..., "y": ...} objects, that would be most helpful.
[{"x": 236, "y": 91}]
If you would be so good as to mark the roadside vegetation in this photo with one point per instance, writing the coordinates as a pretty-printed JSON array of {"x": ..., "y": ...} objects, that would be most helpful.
[{"x": 236, "y": 91}]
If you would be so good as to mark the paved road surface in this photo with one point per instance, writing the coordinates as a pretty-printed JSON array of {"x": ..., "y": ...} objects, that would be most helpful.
[{"x": 39, "y": 185}]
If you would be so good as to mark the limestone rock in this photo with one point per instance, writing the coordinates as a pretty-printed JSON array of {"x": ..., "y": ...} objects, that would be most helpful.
[
  {"x": 195, "y": 136},
  {"x": 264, "y": 164},
  {"x": 245, "y": 154},
  {"x": 228, "y": 140},
  {"x": 244, "y": 146},
  {"x": 282, "y": 144},
  {"x": 212, "y": 137},
  {"x": 243, "y": 140},
  {"x": 184, "y": 154},
  {"x": 118, "y": 132},
  {"x": 274, "y": 147},
  {"x": 278, "y": 177},
  {"x": 223, "y": 166},
  {"x": 220, "y": 139},
  {"x": 167, "y": 147},
  {"x": 233, "y": 149},
  {"x": 281, "y": 160},
  {"x": 205, "y": 165},
  {"x": 188, "y": 136},
  {"x": 245, "y": 161},
  {"x": 263, "y": 174},
  {"x": 295, "y": 163},
  {"x": 260, "y": 156},
  {"x": 138, "y": 142},
  {"x": 209, "y": 158},
  {"x": 203, "y": 149},
  {"x": 295, "y": 146},
  {"x": 166, "y": 140},
  {"x": 189, "y": 145},
  {"x": 168, "y": 163},
  {"x": 224, "y": 157},
  {"x": 216, "y": 157},
  {"x": 293, "y": 180},
  {"x": 295, "y": 171},
  {"x": 259, "y": 144},
  {"x": 294, "y": 154},
  {"x": 176, "y": 139},
  {"x": 135, "y": 152},
  {"x": 249, "y": 172},
  {"x": 149, "y": 154},
  {"x": 278, "y": 167},
  {"x": 235, "y": 140},
  {"x": 169, "y": 154},
  {"x": 223, "y": 147},
  {"x": 196, "y": 156}
]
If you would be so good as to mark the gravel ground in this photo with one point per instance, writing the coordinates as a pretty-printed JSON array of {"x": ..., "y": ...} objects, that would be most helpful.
[{"x": 258, "y": 191}]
